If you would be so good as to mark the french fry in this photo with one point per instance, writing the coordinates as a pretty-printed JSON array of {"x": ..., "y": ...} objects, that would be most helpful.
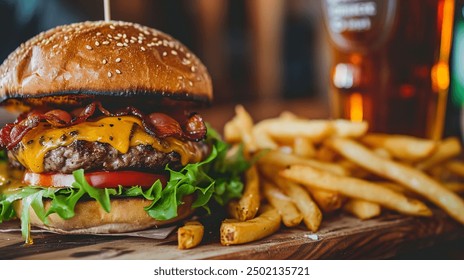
[
  {"x": 283, "y": 160},
  {"x": 362, "y": 209},
  {"x": 457, "y": 187},
  {"x": 349, "y": 129},
  {"x": 328, "y": 201},
  {"x": 288, "y": 115},
  {"x": 456, "y": 167},
  {"x": 239, "y": 129},
  {"x": 401, "y": 146},
  {"x": 303, "y": 147},
  {"x": 190, "y": 235},
  {"x": 353, "y": 169},
  {"x": 447, "y": 149},
  {"x": 325, "y": 154},
  {"x": 382, "y": 152},
  {"x": 247, "y": 206},
  {"x": 407, "y": 176},
  {"x": 397, "y": 188},
  {"x": 263, "y": 139},
  {"x": 232, "y": 132},
  {"x": 238, "y": 232},
  {"x": 285, "y": 130},
  {"x": 355, "y": 188},
  {"x": 291, "y": 216},
  {"x": 312, "y": 216}
]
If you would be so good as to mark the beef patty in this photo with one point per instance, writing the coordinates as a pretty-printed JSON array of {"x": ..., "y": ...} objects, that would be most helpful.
[{"x": 101, "y": 156}]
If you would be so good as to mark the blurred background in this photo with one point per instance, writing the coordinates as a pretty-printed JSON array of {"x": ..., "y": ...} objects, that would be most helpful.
[
  {"x": 257, "y": 51},
  {"x": 253, "y": 49}
]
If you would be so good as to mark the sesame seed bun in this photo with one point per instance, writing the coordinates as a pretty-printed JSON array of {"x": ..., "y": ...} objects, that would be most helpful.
[{"x": 99, "y": 60}]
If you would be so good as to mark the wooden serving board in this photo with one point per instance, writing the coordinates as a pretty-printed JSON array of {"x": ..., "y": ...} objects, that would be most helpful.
[{"x": 340, "y": 237}]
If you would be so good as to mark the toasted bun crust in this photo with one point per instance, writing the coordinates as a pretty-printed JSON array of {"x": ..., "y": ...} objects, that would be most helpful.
[
  {"x": 126, "y": 215},
  {"x": 93, "y": 60}
]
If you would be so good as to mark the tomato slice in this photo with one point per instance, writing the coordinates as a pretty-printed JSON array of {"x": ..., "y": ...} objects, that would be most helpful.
[{"x": 99, "y": 179}]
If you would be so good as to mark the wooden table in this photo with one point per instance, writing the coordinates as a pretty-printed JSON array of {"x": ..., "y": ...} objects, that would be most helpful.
[{"x": 340, "y": 237}]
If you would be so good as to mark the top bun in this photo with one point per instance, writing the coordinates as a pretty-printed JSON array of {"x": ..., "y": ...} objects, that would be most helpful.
[{"x": 96, "y": 60}]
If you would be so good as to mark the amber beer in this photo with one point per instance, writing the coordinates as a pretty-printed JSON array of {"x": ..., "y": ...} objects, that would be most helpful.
[{"x": 390, "y": 63}]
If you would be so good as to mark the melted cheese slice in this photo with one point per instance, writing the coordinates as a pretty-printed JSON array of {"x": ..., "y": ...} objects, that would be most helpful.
[{"x": 119, "y": 132}]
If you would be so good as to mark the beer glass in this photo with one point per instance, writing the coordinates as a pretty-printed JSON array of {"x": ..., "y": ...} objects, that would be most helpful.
[{"x": 390, "y": 63}]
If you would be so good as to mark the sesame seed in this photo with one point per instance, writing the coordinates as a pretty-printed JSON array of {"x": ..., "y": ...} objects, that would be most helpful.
[
  {"x": 132, "y": 41},
  {"x": 97, "y": 43},
  {"x": 119, "y": 44},
  {"x": 180, "y": 77},
  {"x": 191, "y": 83},
  {"x": 66, "y": 38},
  {"x": 174, "y": 52},
  {"x": 142, "y": 48},
  {"x": 99, "y": 33},
  {"x": 188, "y": 55},
  {"x": 125, "y": 45},
  {"x": 193, "y": 68},
  {"x": 118, "y": 71},
  {"x": 119, "y": 35},
  {"x": 88, "y": 47},
  {"x": 112, "y": 27},
  {"x": 165, "y": 53},
  {"x": 105, "y": 42},
  {"x": 55, "y": 46},
  {"x": 126, "y": 40},
  {"x": 109, "y": 36},
  {"x": 104, "y": 61},
  {"x": 118, "y": 60},
  {"x": 109, "y": 74}
]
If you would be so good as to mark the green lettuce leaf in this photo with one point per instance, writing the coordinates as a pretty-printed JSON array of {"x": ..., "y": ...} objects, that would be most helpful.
[
  {"x": 3, "y": 156},
  {"x": 217, "y": 178}
]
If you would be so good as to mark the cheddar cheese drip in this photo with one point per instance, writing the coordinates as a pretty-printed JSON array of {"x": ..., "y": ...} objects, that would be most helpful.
[{"x": 119, "y": 132}]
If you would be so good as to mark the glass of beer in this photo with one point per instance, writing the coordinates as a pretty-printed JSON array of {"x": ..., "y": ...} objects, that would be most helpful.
[{"x": 390, "y": 63}]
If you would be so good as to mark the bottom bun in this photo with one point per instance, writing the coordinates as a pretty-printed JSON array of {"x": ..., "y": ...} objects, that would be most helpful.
[{"x": 126, "y": 215}]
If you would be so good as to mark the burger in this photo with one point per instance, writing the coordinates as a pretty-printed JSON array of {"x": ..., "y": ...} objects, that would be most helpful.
[{"x": 106, "y": 137}]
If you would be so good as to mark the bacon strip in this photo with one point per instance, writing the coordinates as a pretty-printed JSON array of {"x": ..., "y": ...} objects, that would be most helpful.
[{"x": 157, "y": 124}]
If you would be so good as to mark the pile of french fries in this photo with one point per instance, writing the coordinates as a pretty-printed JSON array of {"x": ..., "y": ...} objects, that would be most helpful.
[{"x": 309, "y": 168}]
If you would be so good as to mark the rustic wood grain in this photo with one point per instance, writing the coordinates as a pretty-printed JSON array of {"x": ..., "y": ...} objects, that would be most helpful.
[{"x": 340, "y": 237}]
